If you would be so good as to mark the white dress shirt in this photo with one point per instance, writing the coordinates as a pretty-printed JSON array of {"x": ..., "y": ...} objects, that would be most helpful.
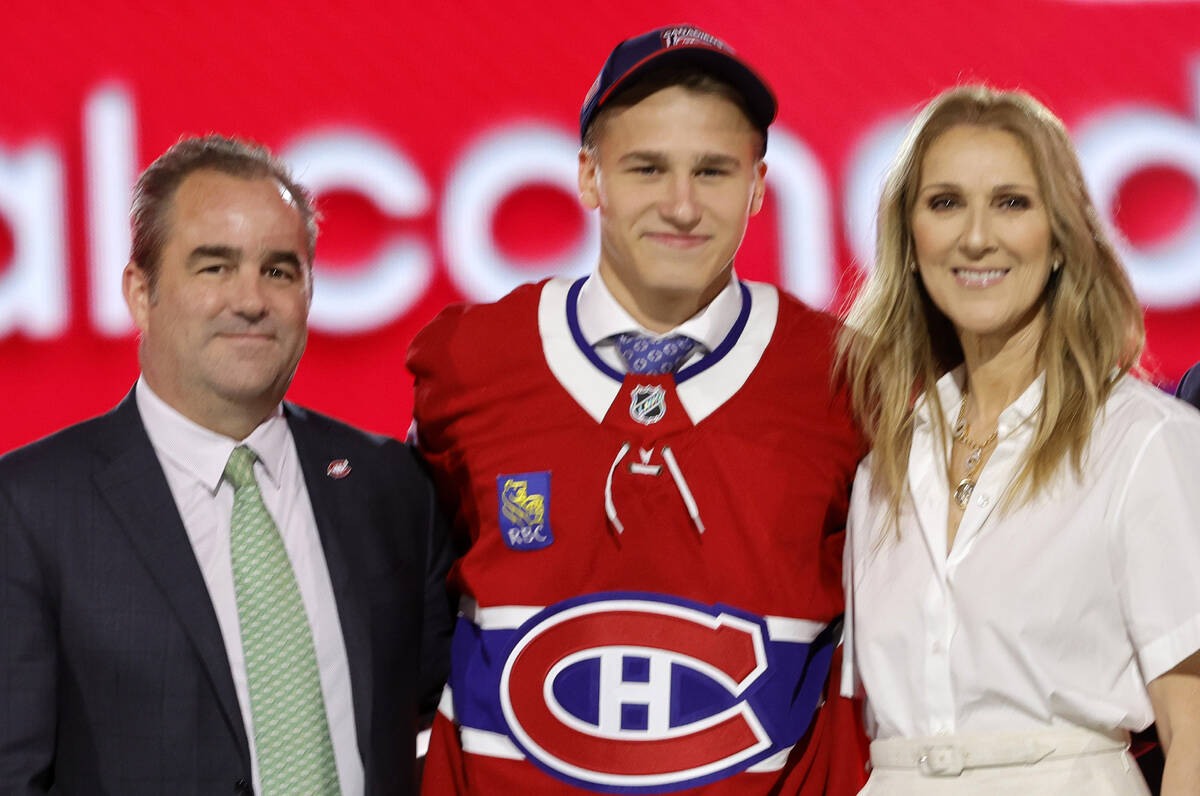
[
  {"x": 601, "y": 316},
  {"x": 1054, "y": 613},
  {"x": 193, "y": 460}
]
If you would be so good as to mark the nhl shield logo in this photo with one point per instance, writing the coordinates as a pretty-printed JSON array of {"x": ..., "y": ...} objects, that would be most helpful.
[{"x": 648, "y": 403}]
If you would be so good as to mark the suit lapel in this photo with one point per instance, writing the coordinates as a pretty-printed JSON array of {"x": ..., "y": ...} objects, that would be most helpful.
[
  {"x": 134, "y": 487},
  {"x": 329, "y": 509}
]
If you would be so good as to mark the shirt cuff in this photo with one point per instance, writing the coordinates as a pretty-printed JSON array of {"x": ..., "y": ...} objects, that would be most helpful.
[{"x": 1165, "y": 652}]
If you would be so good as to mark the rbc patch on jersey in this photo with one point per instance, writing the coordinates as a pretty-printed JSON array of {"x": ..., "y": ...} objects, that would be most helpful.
[{"x": 525, "y": 510}]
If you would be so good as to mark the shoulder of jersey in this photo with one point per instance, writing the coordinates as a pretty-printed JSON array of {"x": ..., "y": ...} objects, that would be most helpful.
[
  {"x": 803, "y": 329},
  {"x": 793, "y": 310},
  {"x": 464, "y": 327}
]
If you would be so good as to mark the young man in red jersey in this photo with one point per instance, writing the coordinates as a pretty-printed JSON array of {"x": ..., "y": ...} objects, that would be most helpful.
[{"x": 649, "y": 470}]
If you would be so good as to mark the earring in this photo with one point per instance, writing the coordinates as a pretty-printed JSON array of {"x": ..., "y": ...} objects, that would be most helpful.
[
  {"x": 912, "y": 266},
  {"x": 1057, "y": 264}
]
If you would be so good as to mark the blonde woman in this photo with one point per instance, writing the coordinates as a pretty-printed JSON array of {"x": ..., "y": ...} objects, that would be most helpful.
[{"x": 1023, "y": 567}]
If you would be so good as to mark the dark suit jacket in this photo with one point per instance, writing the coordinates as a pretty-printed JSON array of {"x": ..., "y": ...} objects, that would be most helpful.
[
  {"x": 113, "y": 674},
  {"x": 1189, "y": 386}
]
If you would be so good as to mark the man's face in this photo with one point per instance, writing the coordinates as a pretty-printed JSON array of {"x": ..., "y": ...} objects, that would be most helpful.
[
  {"x": 676, "y": 177},
  {"x": 224, "y": 327}
]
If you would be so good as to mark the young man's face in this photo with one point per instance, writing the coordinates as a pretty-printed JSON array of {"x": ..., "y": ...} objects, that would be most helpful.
[{"x": 676, "y": 177}]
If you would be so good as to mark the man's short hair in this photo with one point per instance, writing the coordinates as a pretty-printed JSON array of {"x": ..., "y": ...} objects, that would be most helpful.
[
  {"x": 654, "y": 80},
  {"x": 156, "y": 187}
]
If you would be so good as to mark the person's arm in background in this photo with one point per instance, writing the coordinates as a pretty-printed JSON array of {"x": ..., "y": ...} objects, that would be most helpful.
[
  {"x": 1189, "y": 386},
  {"x": 1176, "y": 700}
]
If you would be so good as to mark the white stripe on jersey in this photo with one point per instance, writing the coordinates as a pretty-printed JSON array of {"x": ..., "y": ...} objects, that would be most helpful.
[
  {"x": 775, "y": 762},
  {"x": 489, "y": 744},
  {"x": 510, "y": 617},
  {"x": 802, "y": 631},
  {"x": 497, "y": 617}
]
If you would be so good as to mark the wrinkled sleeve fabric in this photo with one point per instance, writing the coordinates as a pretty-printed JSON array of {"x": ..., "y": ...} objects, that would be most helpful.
[{"x": 1155, "y": 543}]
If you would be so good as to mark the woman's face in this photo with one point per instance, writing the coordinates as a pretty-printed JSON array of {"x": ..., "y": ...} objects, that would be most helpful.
[{"x": 982, "y": 234}]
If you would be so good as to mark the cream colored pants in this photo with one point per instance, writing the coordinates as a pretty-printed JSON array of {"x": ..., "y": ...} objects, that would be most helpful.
[{"x": 1059, "y": 762}]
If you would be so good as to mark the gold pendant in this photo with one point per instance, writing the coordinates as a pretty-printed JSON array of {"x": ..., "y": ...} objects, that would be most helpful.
[
  {"x": 962, "y": 495},
  {"x": 973, "y": 459}
]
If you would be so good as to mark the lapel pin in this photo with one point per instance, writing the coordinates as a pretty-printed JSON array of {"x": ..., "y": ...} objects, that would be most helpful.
[{"x": 338, "y": 468}]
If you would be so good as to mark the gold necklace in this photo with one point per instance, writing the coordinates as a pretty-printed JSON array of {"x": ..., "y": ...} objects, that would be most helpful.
[{"x": 962, "y": 493}]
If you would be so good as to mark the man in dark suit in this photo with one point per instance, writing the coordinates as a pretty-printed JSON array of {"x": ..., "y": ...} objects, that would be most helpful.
[
  {"x": 208, "y": 590},
  {"x": 1189, "y": 386}
]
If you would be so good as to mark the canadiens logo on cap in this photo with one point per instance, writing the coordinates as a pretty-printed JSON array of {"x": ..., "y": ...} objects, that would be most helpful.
[{"x": 692, "y": 36}]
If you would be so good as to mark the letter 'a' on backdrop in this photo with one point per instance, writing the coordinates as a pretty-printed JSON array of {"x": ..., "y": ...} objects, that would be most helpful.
[{"x": 441, "y": 140}]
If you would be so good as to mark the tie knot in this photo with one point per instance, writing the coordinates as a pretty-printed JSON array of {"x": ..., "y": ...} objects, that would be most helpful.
[
  {"x": 239, "y": 470},
  {"x": 643, "y": 354}
]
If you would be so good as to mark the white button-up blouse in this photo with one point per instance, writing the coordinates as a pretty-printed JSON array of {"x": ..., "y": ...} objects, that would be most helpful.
[{"x": 1054, "y": 613}]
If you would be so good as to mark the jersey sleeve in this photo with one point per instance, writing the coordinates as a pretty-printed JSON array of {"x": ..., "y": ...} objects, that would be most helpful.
[
  {"x": 1156, "y": 544},
  {"x": 832, "y": 759},
  {"x": 438, "y": 395},
  {"x": 444, "y": 771},
  {"x": 433, "y": 362}
]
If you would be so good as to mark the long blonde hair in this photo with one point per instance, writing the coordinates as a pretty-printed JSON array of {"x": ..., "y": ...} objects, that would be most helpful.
[{"x": 897, "y": 344}]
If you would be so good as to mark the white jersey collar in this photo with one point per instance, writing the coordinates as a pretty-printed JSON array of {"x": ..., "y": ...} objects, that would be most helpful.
[
  {"x": 601, "y": 316},
  {"x": 702, "y": 386}
]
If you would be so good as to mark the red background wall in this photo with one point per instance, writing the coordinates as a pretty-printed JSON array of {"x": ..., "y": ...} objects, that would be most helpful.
[{"x": 433, "y": 85}]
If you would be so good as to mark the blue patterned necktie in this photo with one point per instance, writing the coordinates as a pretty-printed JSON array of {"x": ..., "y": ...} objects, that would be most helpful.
[
  {"x": 644, "y": 354},
  {"x": 291, "y": 733}
]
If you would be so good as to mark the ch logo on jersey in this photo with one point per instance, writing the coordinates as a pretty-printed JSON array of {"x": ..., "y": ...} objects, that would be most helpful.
[
  {"x": 647, "y": 403},
  {"x": 525, "y": 510},
  {"x": 636, "y": 693}
]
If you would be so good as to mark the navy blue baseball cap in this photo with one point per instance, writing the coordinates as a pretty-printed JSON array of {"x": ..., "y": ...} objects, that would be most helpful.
[{"x": 678, "y": 44}]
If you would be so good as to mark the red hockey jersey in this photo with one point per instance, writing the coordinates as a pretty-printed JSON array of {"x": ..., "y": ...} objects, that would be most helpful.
[{"x": 651, "y": 570}]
